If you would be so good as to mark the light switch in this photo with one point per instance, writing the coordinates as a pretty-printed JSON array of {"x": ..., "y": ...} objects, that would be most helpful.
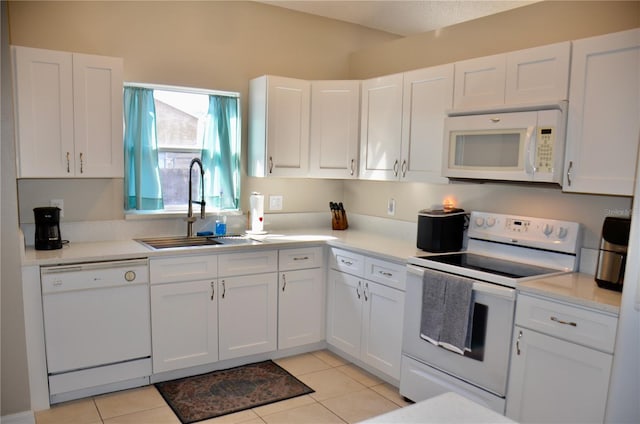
[{"x": 275, "y": 203}]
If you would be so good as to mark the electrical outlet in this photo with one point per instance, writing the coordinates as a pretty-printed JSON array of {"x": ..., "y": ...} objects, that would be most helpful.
[
  {"x": 59, "y": 203},
  {"x": 391, "y": 207},
  {"x": 275, "y": 203}
]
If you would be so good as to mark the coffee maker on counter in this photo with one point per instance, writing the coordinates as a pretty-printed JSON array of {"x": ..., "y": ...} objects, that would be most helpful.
[
  {"x": 612, "y": 256},
  {"x": 47, "y": 235}
]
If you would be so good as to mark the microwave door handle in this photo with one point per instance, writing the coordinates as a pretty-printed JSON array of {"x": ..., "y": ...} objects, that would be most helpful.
[{"x": 529, "y": 166}]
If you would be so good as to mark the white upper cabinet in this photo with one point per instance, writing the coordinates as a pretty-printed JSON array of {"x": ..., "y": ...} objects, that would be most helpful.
[
  {"x": 428, "y": 94},
  {"x": 278, "y": 127},
  {"x": 604, "y": 106},
  {"x": 381, "y": 128},
  {"x": 536, "y": 75},
  {"x": 69, "y": 114},
  {"x": 480, "y": 82},
  {"x": 335, "y": 114}
]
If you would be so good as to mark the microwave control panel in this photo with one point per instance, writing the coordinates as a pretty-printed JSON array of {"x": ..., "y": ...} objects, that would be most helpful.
[{"x": 544, "y": 149}]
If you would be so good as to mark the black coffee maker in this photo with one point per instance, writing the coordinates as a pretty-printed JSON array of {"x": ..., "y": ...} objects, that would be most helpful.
[{"x": 47, "y": 228}]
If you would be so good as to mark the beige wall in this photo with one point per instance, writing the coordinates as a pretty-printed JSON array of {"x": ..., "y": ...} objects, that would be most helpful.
[
  {"x": 529, "y": 26},
  {"x": 206, "y": 44},
  {"x": 14, "y": 387}
]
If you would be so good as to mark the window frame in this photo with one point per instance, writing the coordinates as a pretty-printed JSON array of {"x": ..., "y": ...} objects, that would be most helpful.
[{"x": 172, "y": 211}]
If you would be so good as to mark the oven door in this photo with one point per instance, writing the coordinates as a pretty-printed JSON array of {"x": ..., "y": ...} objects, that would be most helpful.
[{"x": 487, "y": 364}]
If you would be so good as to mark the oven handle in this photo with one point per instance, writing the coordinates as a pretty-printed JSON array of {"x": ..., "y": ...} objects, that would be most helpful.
[{"x": 478, "y": 286}]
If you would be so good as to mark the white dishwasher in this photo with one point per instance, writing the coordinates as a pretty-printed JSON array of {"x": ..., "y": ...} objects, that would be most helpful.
[{"x": 97, "y": 327}]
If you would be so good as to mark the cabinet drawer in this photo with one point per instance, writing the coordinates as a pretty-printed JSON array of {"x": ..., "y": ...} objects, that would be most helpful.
[
  {"x": 183, "y": 268},
  {"x": 291, "y": 259},
  {"x": 255, "y": 262},
  {"x": 346, "y": 261},
  {"x": 385, "y": 272},
  {"x": 572, "y": 323}
]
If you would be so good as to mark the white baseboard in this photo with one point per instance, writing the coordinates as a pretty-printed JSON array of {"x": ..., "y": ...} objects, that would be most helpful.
[{"x": 26, "y": 417}]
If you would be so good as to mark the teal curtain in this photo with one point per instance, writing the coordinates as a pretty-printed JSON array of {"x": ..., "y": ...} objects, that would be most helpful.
[
  {"x": 221, "y": 153},
  {"x": 142, "y": 188}
]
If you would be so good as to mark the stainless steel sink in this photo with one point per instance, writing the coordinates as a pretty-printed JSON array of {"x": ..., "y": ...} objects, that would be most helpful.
[
  {"x": 184, "y": 241},
  {"x": 178, "y": 241}
]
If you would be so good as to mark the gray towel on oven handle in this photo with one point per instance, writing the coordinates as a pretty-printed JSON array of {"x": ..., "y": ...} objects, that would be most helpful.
[
  {"x": 433, "y": 295},
  {"x": 458, "y": 314}
]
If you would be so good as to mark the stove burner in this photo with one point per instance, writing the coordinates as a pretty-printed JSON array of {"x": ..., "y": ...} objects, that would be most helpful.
[{"x": 490, "y": 265}]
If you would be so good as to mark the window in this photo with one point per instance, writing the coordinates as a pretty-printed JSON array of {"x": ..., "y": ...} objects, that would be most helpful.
[{"x": 164, "y": 132}]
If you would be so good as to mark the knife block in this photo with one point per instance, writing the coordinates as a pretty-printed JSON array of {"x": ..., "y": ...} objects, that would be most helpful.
[{"x": 339, "y": 220}]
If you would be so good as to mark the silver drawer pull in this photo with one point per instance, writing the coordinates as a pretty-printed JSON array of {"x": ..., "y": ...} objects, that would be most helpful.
[
  {"x": 303, "y": 258},
  {"x": 559, "y": 321},
  {"x": 518, "y": 343},
  {"x": 349, "y": 263},
  {"x": 386, "y": 274}
]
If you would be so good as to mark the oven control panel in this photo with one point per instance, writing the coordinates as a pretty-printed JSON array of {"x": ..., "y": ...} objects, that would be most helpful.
[{"x": 542, "y": 233}]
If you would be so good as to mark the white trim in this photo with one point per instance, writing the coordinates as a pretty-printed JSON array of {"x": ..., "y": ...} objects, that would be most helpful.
[
  {"x": 26, "y": 417},
  {"x": 182, "y": 89}
]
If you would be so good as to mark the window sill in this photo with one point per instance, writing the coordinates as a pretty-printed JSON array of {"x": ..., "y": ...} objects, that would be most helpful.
[{"x": 133, "y": 215}]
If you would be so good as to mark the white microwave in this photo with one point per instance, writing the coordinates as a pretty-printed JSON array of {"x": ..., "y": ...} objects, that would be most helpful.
[{"x": 515, "y": 146}]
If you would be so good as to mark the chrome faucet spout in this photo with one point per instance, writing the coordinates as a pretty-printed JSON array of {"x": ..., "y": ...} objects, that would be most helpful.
[{"x": 190, "y": 218}]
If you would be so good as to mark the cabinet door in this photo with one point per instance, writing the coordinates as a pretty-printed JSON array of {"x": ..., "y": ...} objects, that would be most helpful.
[
  {"x": 381, "y": 128},
  {"x": 344, "y": 312},
  {"x": 247, "y": 315},
  {"x": 552, "y": 380},
  {"x": 480, "y": 82},
  {"x": 97, "y": 82},
  {"x": 300, "y": 308},
  {"x": 184, "y": 324},
  {"x": 428, "y": 94},
  {"x": 335, "y": 121},
  {"x": 604, "y": 105},
  {"x": 539, "y": 74},
  {"x": 44, "y": 113},
  {"x": 382, "y": 328}
]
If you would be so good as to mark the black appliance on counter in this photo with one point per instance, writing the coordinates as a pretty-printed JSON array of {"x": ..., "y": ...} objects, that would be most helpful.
[
  {"x": 441, "y": 230},
  {"x": 612, "y": 256},
  {"x": 47, "y": 235}
]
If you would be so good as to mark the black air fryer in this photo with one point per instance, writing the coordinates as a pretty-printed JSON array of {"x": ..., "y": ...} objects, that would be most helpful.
[
  {"x": 47, "y": 228},
  {"x": 612, "y": 257},
  {"x": 441, "y": 230}
]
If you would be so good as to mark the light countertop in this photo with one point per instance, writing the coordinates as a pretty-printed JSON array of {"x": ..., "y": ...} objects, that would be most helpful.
[
  {"x": 446, "y": 408},
  {"x": 576, "y": 288},
  {"x": 397, "y": 250}
]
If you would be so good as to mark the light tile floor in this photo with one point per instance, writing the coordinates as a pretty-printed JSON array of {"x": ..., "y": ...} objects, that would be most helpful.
[{"x": 344, "y": 393}]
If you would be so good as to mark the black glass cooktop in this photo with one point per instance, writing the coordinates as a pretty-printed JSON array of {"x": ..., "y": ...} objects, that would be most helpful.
[{"x": 491, "y": 265}]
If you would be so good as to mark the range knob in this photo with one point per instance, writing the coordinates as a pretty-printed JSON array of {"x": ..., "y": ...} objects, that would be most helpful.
[
  {"x": 547, "y": 229},
  {"x": 479, "y": 221},
  {"x": 491, "y": 221}
]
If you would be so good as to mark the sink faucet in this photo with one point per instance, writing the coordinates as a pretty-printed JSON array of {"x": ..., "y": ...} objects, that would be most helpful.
[{"x": 190, "y": 218}]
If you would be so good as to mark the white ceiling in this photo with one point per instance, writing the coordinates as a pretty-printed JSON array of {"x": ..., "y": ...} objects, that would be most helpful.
[{"x": 402, "y": 17}]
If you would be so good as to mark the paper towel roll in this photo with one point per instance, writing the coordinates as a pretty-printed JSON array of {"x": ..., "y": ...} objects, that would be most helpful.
[{"x": 256, "y": 203}]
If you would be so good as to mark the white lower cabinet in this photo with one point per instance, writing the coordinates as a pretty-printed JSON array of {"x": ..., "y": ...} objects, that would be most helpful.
[
  {"x": 300, "y": 308},
  {"x": 247, "y": 315},
  {"x": 184, "y": 319},
  {"x": 345, "y": 312},
  {"x": 248, "y": 304},
  {"x": 560, "y": 362},
  {"x": 184, "y": 312},
  {"x": 365, "y": 316},
  {"x": 554, "y": 380}
]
